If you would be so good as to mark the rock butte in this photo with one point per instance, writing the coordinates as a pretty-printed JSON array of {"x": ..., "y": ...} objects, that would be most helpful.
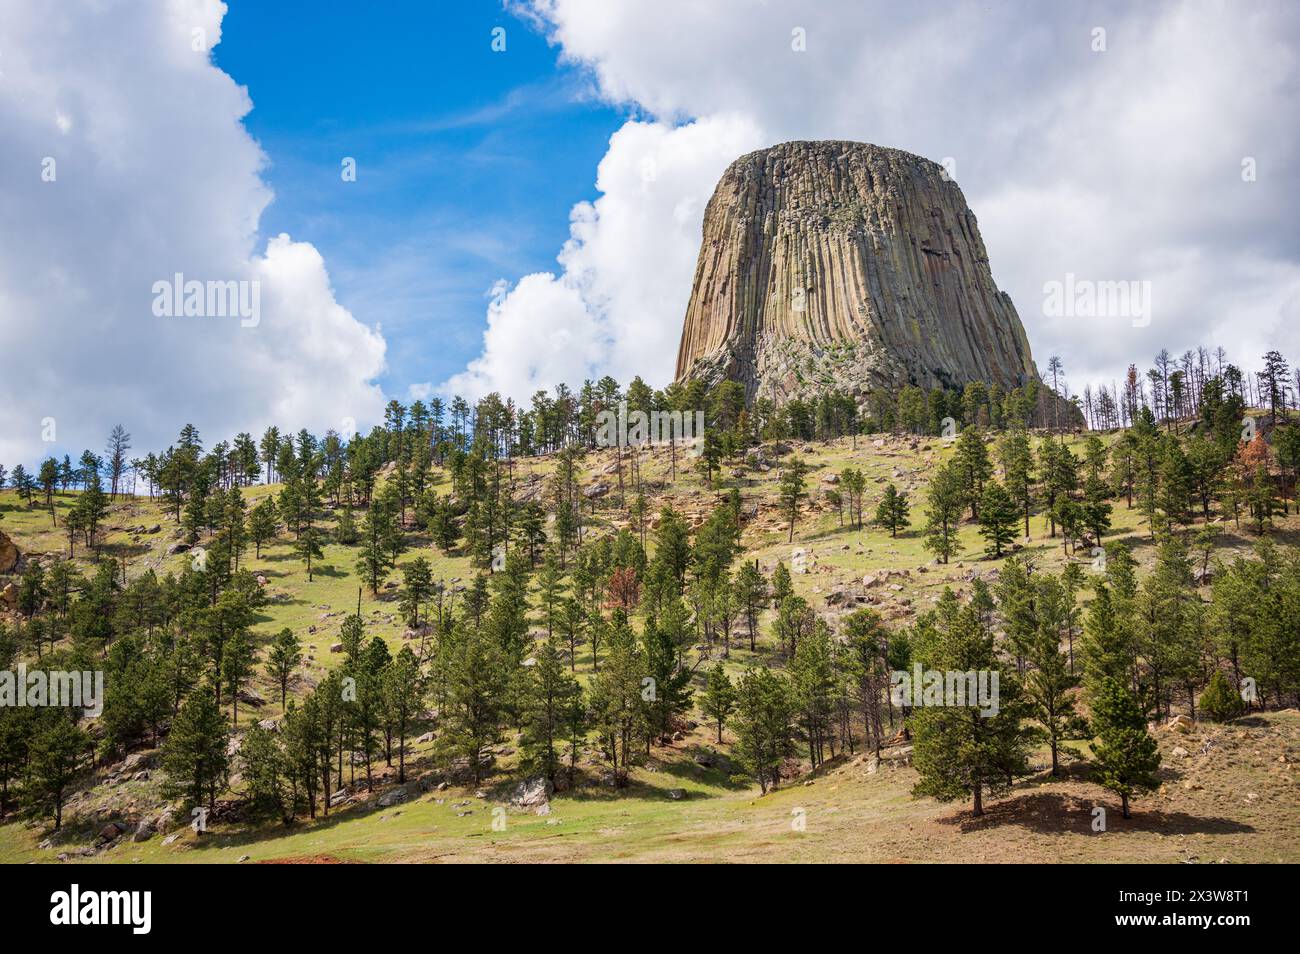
[{"x": 845, "y": 265}]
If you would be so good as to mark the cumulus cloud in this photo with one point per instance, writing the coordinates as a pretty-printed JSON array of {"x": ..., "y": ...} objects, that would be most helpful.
[
  {"x": 125, "y": 163},
  {"x": 615, "y": 306},
  {"x": 1112, "y": 156}
]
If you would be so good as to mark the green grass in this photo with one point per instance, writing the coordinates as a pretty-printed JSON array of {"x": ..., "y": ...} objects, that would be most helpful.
[{"x": 849, "y": 814}]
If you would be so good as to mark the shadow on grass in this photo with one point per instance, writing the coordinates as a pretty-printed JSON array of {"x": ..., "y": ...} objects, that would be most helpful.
[
  {"x": 1062, "y": 813},
  {"x": 327, "y": 570},
  {"x": 118, "y": 551}
]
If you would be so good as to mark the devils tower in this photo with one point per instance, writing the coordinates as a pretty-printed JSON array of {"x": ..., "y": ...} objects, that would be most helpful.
[{"x": 845, "y": 265}]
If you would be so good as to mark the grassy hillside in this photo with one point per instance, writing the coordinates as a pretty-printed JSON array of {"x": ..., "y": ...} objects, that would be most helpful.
[{"x": 1234, "y": 796}]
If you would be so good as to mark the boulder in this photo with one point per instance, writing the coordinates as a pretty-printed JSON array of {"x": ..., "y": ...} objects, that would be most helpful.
[
  {"x": 1179, "y": 723},
  {"x": 144, "y": 831},
  {"x": 8, "y": 553},
  {"x": 532, "y": 792}
]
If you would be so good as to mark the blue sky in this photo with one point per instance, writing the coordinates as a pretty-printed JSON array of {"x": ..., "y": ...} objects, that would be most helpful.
[
  {"x": 580, "y": 186},
  {"x": 468, "y": 160}
]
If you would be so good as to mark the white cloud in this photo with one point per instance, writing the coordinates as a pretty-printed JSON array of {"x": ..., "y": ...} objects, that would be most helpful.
[
  {"x": 155, "y": 174},
  {"x": 611, "y": 309},
  {"x": 1115, "y": 165}
]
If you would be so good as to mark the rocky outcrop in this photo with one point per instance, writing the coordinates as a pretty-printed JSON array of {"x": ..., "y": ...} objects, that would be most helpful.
[
  {"x": 846, "y": 265},
  {"x": 8, "y": 553}
]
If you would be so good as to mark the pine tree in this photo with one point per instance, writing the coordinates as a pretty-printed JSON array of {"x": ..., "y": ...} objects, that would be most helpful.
[
  {"x": 417, "y": 587},
  {"x": 401, "y": 694},
  {"x": 998, "y": 518},
  {"x": 1126, "y": 756},
  {"x": 947, "y": 500},
  {"x": 762, "y": 724},
  {"x": 972, "y": 467},
  {"x": 812, "y": 679},
  {"x": 550, "y": 590},
  {"x": 267, "y": 774},
  {"x": 1219, "y": 701},
  {"x": 476, "y": 697},
  {"x": 782, "y": 585},
  {"x": 379, "y": 528},
  {"x": 345, "y": 530},
  {"x": 194, "y": 755},
  {"x": 1095, "y": 512},
  {"x": 752, "y": 596},
  {"x": 237, "y": 659},
  {"x": 961, "y": 751},
  {"x": 719, "y": 698},
  {"x": 1049, "y": 681},
  {"x": 549, "y": 696},
  {"x": 792, "y": 490},
  {"x": 55, "y": 756},
  {"x": 669, "y": 692},
  {"x": 893, "y": 510},
  {"x": 284, "y": 657},
  {"x": 263, "y": 523},
  {"x": 616, "y": 699}
]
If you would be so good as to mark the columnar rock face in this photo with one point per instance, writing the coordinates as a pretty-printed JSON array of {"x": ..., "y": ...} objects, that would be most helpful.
[{"x": 845, "y": 265}]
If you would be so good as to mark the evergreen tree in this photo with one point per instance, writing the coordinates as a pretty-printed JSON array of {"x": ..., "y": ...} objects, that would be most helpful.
[
  {"x": 812, "y": 680},
  {"x": 892, "y": 512},
  {"x": 1049, "y": 681},
  {"x": 263, "y": 523},
  {"x": 998, "y": 518},
  {"x": 237, "y": 659},
  {"x": 284, "y": 657},
  {"x": 267, "y": 774},
  {"x": 1125, "y": 754},
  {"x": 401, "y": 695},
  {"x": 616, "y": 699},
  {"x": 550, "y": 696},
  {"x": 947, "y": 500},
  {"x": 1220, "y": 701},
  {"x": 719, "y": 698},
  {"x": 971, "y": 467},
  {"x": 792, "y": 490},
  {"x": 751, "y": 595},
  {"x": 378, "y": 535},
  {"x": 55, "y": 755},
  {"x": 417, "y": 588},
  {"x": 476, "y": 697},
  {"x": 961, "y": 751},
  {"x": 194, "y": 755},
  {"x": 762, "y": 724},
  {"x": 1018, "y": 472}
]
